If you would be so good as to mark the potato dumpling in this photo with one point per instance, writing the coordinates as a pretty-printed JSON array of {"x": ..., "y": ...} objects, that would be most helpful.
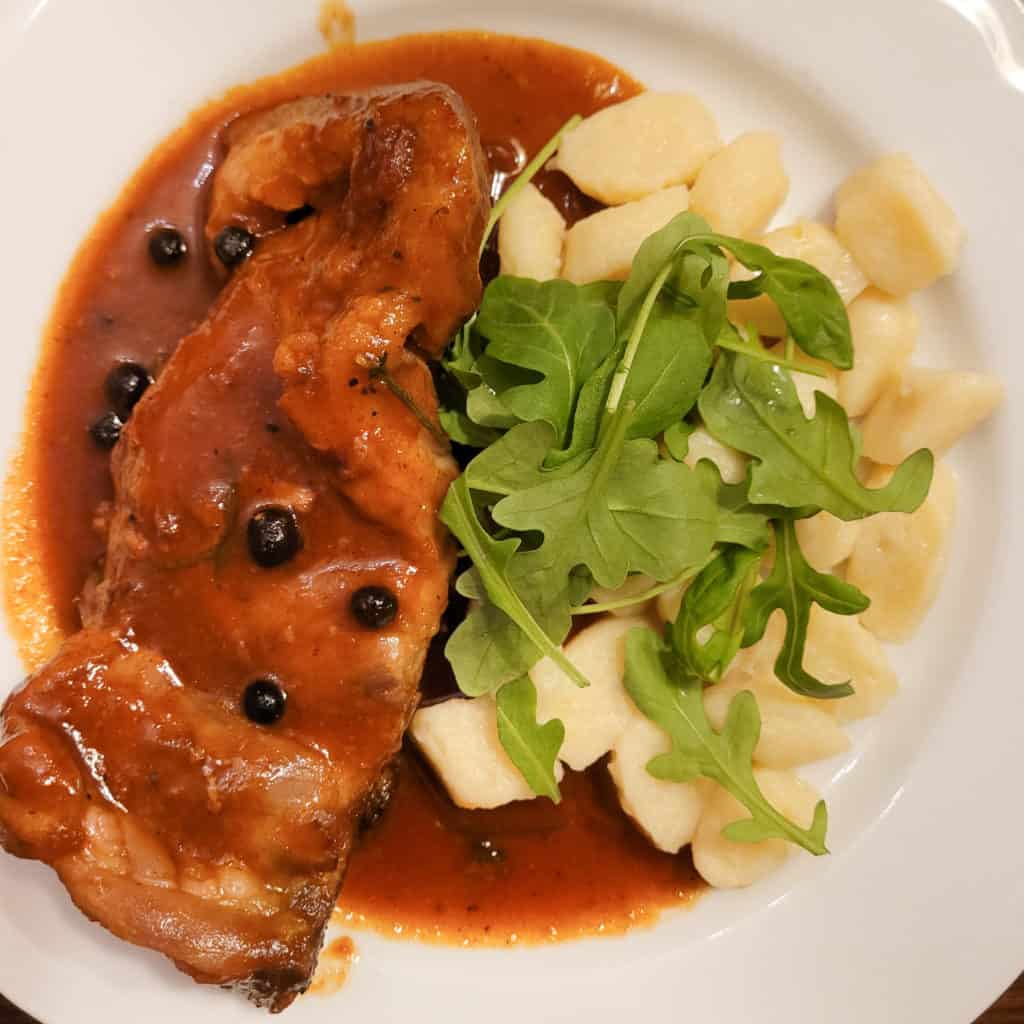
[
  {"x": 899, "y": 559},
  {"x": 667, "y": 812},
  {"x": 808, "y": 384},
  {"x": 792, "y": 733},
  {"x": 668, "y": 602},
  {"x": 884, "y": 333},
  {"x": 840, "y": 649},
  {"x": 901, "y": 232},
  {"x": 732, "y": 465},
  {"x": 530, "y": 236},
  {"x": 814, "y": 244},
  {"x": 601, "y": 247},
  {"x": 596, "y": 715},
  {"x": 460, "y": 740},
  {"x": 741, "y": 187},
  {"x": 730, "y": 865},
  {"x": 637, "y": 147},
  {"x": 927, "y": 409},
  {"x": 825, "y": 540}
]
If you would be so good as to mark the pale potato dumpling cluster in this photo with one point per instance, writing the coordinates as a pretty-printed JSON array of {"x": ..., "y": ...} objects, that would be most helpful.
[
  {"x": 649, "y": 159},
  {"x": 460, "y": 739}
]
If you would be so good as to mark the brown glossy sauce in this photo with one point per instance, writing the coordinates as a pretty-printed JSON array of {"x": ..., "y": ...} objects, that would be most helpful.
[{"x": 527, "y": 872}]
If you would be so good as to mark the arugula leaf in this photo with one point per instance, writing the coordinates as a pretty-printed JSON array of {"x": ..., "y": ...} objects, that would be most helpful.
[
  {"x": 532, "y": 747},
  {"x": 715, "y": 599},
  {"x": 677, "y": 439},
  {"x": 488, "y": 649},
  {"x": 623, "y": 510},
  {"x": 794, "y": 586},
  {"x": 462, "y": 430},
  {"x": 671, "y": 365},
  {"x": 807, "y": 300},
  {"x": 801, "y": 463},
  {"x": 560, "y": 331},
  {"x": 658, "y": 251},
  {"x": 673, "y": 699},
  {"x": 739, "y": 521},
  {"x": 491, "y": 559}
]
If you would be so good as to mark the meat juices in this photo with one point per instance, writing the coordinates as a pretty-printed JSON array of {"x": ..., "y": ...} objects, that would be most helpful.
[{"x": 127, "y": 763}]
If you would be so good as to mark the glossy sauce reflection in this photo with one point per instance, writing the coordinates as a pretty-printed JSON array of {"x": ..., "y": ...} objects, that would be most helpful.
[{"x": 529, "y": 872}]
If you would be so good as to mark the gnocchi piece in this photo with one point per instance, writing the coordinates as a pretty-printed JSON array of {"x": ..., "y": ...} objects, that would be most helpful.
[
  {"x": 840, "y": 649},
  {"x": 530, "y": 236},
  {"x": 634, "y": 148},
  {"x": 927, "y": 409},
  {"x": 899, "y": 559},
  {"x": 666, "y": 812},
  {"x": 460, "y": 740},
  {"x": 741, "y": 187},
  {"x": 633, "y": 586},
  {"x": 884, "y": 334},
  {"x": 813, "y": 243},
  {"x": 668, "y": 603},
  {"x": 731, "y": 464},
  {"x": 729, "y": 865},
  {"x": 825, "y": 540},
  {"x": 792, "y": 732},
  {"x": 601, "y": 247},
  {"x": 901, "y": 232},
  {"x": 595, "y": 716},
  {"x": 807, "y": 384}
]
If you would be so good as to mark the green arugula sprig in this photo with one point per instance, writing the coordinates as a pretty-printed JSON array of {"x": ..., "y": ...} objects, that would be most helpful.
[
  {"x": 581, "y": 400},
  {"x": 672, "y": 697}
]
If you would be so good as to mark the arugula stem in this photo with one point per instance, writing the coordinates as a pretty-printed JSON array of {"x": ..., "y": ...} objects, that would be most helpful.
[
  {"x": 790, "y": 348},
  {"x": 526, "y": 175},
  {"x": 643, "y": 596},
  {"x": 383, "y": 374},
  {"x": 622, "y": 371},
  {"x": 766, "y": 357}
]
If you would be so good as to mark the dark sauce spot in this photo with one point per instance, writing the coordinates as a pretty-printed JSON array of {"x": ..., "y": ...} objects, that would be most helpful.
[
  {"x": 571, "y": 203},
  {"x": 298, "y": 215},
  {"x": 234, "y": 245},
  {"x": 374, "y": 607},
  {"x": 437, "y": 683},
  {"x": 125, "y": 385},
  {"x": 167, "y": 247},
  {"x": 274, "y": 536},
  {"x": 264, "y": 701},
  {"x": 485, "y": 851},
  {"x": 106, "y": 430}
]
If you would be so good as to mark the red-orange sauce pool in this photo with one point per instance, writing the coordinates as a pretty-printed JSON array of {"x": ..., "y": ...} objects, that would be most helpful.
[{"x": 527, "y": 872}]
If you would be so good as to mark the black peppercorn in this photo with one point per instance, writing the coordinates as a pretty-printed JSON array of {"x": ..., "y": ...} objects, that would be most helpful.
[
  {"x": 106, "y": 430},
  {"x": 167, "y": 247},
  {"x": 375, "y": 607},
  {"x": 126, "y": 384},
  {"x": 274, "y": 536},
  {"x": 264, "y": 701},
  {"x": 234, "y": 245}
]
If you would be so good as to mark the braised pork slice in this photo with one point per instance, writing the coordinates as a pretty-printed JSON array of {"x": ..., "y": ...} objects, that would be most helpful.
[{"x": 275, "y": 523}]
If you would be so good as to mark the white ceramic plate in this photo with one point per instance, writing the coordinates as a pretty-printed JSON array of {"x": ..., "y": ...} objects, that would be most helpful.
[{"x": 919, "y": 914}]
